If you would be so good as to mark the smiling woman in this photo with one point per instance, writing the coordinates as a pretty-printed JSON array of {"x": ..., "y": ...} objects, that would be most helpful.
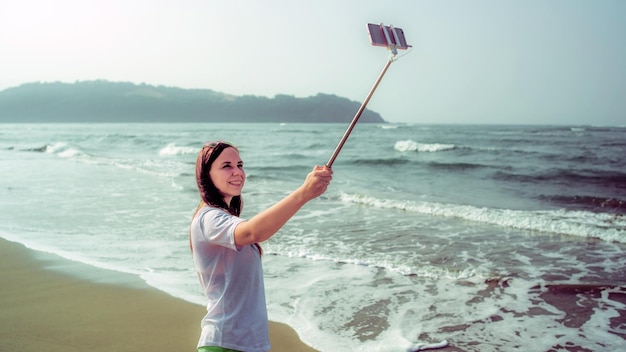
[{"x": 226, "y": 249}]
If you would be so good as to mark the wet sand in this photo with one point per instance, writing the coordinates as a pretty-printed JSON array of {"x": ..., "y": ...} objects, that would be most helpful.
[{"x": 51, "y": 304}]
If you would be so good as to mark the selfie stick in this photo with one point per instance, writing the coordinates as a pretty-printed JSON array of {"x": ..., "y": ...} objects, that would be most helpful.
[
  {"x": 392, "y": 46},
  {"x": 330, "y": 162}
]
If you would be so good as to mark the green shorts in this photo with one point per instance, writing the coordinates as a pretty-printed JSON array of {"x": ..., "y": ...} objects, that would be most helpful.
[{"x": 215, "y": 349}]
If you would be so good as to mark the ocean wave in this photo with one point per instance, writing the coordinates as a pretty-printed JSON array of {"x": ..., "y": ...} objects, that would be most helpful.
[
  {"x": 372, "y": 261},
  {"x": 63, "y": 150},
  {"x": 60, "y": 149},
  {"x": 455, "y": 166},
  {"x": 293, "y": 128},
  {"x": 572, "y": 130},
  {"x": 412, "y": 146},
  {"x": 161, "y": 168},
  {"x": 589, "y": 202},
  {"x": 572, "y": 177},
  {"x": 41, "y": 149},
  {"x": 617, "y": 144},
  {"x": 315, "y": 146},
  {"x": 382, "y": 161},
  {"x": 173, "y": 149},
  {"x": 604, "y": 226}
]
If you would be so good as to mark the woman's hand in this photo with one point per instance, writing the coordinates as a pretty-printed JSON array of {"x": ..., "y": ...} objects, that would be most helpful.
[{"x": 316, "y": 182}]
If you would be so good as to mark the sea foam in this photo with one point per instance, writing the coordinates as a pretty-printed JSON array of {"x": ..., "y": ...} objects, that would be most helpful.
[
  {"x": 608, "y": 227},
  {"x": 173, "y": 149},
  {"x": 412, "y": 146}
]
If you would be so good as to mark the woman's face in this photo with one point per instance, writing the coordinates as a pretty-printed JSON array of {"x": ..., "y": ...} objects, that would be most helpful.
[{"x": 227, "y": 174}]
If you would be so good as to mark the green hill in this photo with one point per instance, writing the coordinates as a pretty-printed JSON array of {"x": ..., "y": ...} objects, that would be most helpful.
[{"x": 104, "y": 101}]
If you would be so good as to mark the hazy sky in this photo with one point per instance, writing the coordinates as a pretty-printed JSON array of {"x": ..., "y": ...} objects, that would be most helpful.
[{"x": 487, "y": 61}]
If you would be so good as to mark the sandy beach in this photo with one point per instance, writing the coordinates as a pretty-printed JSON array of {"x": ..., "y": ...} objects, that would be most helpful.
[{"x": 51, "y": 304}]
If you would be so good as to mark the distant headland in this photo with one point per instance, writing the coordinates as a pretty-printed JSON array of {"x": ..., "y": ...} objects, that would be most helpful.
[{"x": 105, "y": 101}]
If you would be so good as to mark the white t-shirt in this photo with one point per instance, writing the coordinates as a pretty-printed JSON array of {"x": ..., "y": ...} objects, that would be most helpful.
[{"x": 232, "y": 280}]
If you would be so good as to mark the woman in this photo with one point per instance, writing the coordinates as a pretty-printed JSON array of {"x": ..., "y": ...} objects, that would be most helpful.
[{"x": 226, "y": 249}]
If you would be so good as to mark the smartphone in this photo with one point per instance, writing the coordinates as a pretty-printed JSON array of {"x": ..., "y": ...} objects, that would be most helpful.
[{"x": 395, "y": 35}]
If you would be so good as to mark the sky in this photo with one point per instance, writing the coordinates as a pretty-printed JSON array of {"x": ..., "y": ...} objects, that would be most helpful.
[{"x": 558, "y": 62}]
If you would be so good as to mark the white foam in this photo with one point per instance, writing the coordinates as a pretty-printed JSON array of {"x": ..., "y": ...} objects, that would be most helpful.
[
  {"x": 319, "y": 299},
  {"x": 173, "y": 149},
  {"x": 608, "y": 227},
  {"x": 63, "y": 150},
  {"x": 53, "y": 149},
  {"x": 69, "y": 153},
  {"x": 412, "y": 146}
]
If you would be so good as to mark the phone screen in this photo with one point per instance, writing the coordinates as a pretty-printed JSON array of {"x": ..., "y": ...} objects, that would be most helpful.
[{"x": 378, "y": 38}]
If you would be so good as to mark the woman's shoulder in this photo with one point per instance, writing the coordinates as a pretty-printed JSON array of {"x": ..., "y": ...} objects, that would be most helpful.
[
  {"x": 210, "y": 212},
  {"x": 207, "y": 210}
]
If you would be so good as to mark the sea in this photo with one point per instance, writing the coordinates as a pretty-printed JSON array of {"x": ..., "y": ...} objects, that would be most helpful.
[{"x": 489, "y": 237}]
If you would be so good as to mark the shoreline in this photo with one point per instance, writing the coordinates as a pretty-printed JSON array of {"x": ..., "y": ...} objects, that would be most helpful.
[{"x": 53, "y": 310}]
